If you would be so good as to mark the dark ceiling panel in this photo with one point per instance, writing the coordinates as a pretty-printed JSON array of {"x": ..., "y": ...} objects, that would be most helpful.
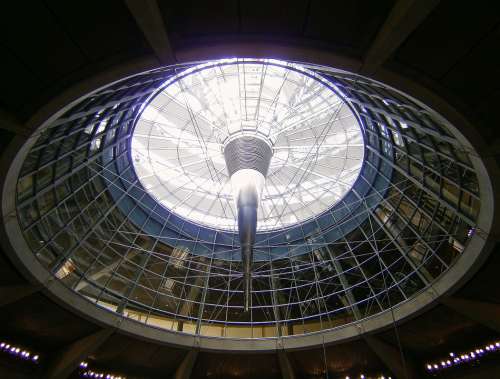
[
  {"x": 351, "y": 24},
  {"x": 226, "y": 366},
  {"x": 41, "y": 322},
  {"x": 351, "y": 358},
  {"x": 34, "y": 36},
  {"x": 200, "y": 18},
  {"x": 130, "y": 355},
  {"x": 488, "y": 112},
  {"x": 273, "y": 17},
  {"x": 101, "y": 29},
  {"x": 484, "y": 285},
  {"x": 447, "y": 35},
  {"x": 477, "y": 75},
  {"x": 18, "y": 82},
  {"x": 8, "y": 274},
  {"x": 436, "y": 333}
]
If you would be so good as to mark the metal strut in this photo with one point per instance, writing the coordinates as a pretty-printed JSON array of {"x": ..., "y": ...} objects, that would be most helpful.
[
  {"x": 247, "y": 204},
  {"x": 247, "y": 161}
]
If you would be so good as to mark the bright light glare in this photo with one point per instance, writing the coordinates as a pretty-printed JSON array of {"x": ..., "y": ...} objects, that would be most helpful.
[{"x": 317, "y": 142}]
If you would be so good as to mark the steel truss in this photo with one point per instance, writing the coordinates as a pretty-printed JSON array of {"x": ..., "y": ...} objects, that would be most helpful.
[{"x": 88, "y": 219}]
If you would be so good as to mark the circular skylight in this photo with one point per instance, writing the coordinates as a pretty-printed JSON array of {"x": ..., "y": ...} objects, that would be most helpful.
[
  {"x": 178, "y": 140},
  {"x": 414, "y": 220}
]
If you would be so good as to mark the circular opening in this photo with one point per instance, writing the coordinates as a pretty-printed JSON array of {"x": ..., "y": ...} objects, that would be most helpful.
[
  {"x": 179, "y": 138},
  {"x": 411, "y": 224}
]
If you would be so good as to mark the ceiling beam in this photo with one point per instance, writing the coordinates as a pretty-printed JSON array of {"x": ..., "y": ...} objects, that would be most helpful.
[
  {"x": 404, "y": 18},
  {"x": 64, "y": 364},
  {"x": 186, "y": 367},
  {"x": 485, "y": 313},
  {"x": 392, "y": 358},
  {"x": 148, "y": 17}
]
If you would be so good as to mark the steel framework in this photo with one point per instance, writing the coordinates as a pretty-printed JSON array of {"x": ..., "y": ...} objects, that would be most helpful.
[{"x": 408, "y": 217}]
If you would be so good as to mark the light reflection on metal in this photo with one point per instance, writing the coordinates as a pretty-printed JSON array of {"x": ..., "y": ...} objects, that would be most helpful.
[{"x": 247, "y": 161}]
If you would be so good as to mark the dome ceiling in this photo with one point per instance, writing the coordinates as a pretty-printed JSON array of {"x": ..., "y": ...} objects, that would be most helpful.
[
  {"x": 58, "y": 58},
  {"x": 89, "y": 213}
]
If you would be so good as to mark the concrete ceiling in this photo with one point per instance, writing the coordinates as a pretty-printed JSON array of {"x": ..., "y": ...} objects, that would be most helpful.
[{"x": 453, "y": 48}]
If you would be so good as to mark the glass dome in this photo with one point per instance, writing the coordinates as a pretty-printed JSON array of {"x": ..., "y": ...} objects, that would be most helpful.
[
  {"x": 317, "y": 143},
  {"x": 108, "y": 195}
]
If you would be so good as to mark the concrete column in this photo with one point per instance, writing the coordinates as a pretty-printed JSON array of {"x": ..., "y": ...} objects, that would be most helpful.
[
  {"x": 404, "y": 18},
  {"x": 287, "y": 371},
  {"x": 391, "y": 357},
  {"x": 70, "y": 357},
  {"x": 148, "y": 17},
  {"x": 186, "y": 367}
]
